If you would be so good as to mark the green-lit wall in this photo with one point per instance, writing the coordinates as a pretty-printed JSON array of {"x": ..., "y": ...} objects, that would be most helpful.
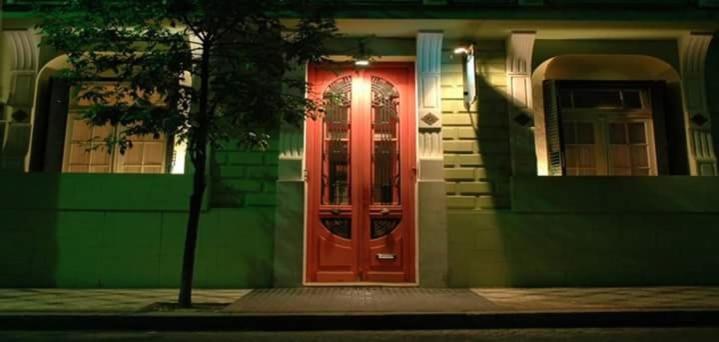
[
  {"x": 125, "y": 231},
  {"x": 565, "y": 231}
]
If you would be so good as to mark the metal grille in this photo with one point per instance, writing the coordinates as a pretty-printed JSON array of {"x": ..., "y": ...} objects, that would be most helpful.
[
  {"x": 383, "y": 227},
  {"x": 385, "y": 126},
  {"x": 336, "y": 157},
  {"x": 339, "y": 226}
]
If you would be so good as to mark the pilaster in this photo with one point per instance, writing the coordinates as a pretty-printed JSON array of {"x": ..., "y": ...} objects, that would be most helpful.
[
  {"x": 520, "y": 47},
  {"x": 432, "y": 206},
  {"x": 15, "y": 120},
  {"x": 290, "y": 212},
  {"x": 693, "y": 49}
]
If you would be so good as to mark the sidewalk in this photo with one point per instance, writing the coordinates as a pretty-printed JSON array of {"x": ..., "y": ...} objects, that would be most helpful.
[{"x": 361, "y": 308}]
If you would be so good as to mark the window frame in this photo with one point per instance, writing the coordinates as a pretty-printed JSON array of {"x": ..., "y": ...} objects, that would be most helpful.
[
  {"x": 602, "y": 117},
  {"x": 117, "y": 160}
]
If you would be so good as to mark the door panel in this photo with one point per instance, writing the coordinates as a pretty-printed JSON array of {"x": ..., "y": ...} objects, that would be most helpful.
[{"x": 360, "y": 170}]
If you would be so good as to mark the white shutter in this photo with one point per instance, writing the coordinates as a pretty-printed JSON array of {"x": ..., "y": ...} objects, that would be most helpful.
[{"x": 552, "y": 117}]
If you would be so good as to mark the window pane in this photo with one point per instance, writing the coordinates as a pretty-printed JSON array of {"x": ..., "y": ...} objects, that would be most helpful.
[
  {"x": 385, "y": 102},
  {"x": 617, "y": 133},
  {"x": 336, "y": 137},
  {"x": 571, "y": 153},
  {"x": 585, "y": 133},
  {"x": 568, "y": 133},
  {"x": 584, "y": 98},
  {"x": 620, "y": 156},
  {"x": 637, "y": 133},
  {"x": 632, "y": 99},
  {"x": 133, "y": 155},
  {"x": 639, "y": 156},
  {"x": 586, "y": 157},
  {"x": 565, "y": 99}
]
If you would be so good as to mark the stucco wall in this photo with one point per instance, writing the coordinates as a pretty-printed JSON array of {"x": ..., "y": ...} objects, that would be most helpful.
[
  {"x": 119, "y": 231},
  {"x": 562, "y": 231},
  {"x": 476, "y": 142}
]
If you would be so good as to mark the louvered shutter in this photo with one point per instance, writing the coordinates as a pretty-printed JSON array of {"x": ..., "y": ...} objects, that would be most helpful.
[
  {"x": 658, "y": 94},
  {"x": 56, "y": 123},
  {"x": 552, "y": 116}
]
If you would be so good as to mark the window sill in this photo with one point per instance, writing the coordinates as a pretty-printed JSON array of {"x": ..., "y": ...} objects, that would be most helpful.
[{"x": 671, "y": 194}]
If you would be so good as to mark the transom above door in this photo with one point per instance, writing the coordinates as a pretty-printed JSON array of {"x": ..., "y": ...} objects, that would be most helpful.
[{"x": 360, "y": 170}]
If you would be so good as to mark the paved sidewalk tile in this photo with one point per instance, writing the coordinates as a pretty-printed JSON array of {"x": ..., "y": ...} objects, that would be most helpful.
[
  {"x": 360, "y": 300},
  {"x": 615, "y": 298},
  {"x": 102, "y": 300}
]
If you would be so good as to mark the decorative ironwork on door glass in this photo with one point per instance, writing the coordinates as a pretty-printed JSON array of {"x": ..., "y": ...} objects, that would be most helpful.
[
  {"x": 383, "y": 227},
  {"x": 339, "y": 226},
  {"x": 385, "y": 140},
  {"x": 337, "y": 138}
]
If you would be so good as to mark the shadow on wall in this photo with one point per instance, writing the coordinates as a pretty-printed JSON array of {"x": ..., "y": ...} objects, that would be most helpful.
[
  {"x": 579, "y": 231},
  {"x": 29, "y": 238},
  {"x": 712, "y": 78}
]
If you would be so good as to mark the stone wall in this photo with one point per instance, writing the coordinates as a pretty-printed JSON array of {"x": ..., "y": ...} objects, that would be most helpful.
[{"x": 476, "y": 142}]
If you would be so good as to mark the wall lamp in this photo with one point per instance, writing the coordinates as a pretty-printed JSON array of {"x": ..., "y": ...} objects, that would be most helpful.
[
  {"x": 362, "y": 59},
  {"x": 470, "y": 74}
]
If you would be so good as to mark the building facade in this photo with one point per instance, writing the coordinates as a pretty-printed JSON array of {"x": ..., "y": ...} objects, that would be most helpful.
[{"x": 486, "y": 144}]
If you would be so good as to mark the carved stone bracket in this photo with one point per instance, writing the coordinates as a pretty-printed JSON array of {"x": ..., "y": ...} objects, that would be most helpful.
[
  {"x": 520, "y": 47},
  {"x": 693, "y": 49}
]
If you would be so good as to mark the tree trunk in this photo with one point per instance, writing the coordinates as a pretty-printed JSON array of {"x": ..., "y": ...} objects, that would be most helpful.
[
  {"x": 188, "y": 260},
  {"x": 198, "y": 153}
]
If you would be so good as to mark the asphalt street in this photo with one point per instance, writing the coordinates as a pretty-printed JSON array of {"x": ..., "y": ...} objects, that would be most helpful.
[{"x": 499, "y": 335}]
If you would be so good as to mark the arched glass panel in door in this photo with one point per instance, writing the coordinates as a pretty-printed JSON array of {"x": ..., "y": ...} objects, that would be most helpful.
[
  {"x": 336, "y": 140},
  {"x": 385, "y": 140}
]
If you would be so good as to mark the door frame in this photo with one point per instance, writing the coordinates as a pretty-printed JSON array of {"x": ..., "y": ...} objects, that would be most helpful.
[{"x": 410, "y": 66}]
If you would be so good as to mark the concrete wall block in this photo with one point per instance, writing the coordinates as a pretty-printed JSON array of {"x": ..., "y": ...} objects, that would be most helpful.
[
  {"x": 449, "y": 133},
  {"x": 468, "y": 159},
  {"x": 493, "y": 146},
  {"x": 490, "y": 132},
  {"x": 271, "y": 158},
  {"x": 497, "y": 173},
  {"x": 451, "y": 70},
  {"x": 455, "y": 92},
  {"x": 461, "y": 146},
  {"x": 261, "y": 200},
  {"x": 466, "y": 132},
  {"x": 461, "y": 202},
  {"x": 457, "y": 119},
  {"x": 262, "y": 172},
  {"x": 459, "y": 174},
  {"x": 450, "y": 160},
  {"x": 453, "y": 106},
  {"x": 241, "y": 185},
  {"x": 474, "y": 188},
  {"x": 269, "y": 187},
  {"x": 245, "y": 158},
  {"x": 221, "y": 157},
  {"x": 492, "y": 202},
  {"x": 230, "y": 171}
]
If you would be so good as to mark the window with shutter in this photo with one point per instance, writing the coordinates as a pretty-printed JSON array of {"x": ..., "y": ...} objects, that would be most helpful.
[
  {"x": 86, "y": 150},
  {"x": 604, "y": 128}
]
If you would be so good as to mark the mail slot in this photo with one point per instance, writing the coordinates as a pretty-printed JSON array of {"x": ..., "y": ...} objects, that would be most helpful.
[{"x": 386, "y": 256}]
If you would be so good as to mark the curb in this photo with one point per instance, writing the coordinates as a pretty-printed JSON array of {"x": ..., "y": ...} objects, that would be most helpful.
[{"x": 352, "y": 321}]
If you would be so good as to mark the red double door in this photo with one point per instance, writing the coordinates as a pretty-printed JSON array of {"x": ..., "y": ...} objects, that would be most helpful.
[{"x": 361, "y": 175}]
